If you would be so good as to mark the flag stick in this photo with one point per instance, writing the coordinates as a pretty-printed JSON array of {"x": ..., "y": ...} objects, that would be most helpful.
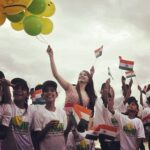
[
  {"x": 94, "y": 61},
  {"x": 42, "y": 39},
  {"x": 136, "y": 81}
]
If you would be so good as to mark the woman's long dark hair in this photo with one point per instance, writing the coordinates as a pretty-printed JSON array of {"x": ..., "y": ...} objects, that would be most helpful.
[{"x": 90, "y": 92}]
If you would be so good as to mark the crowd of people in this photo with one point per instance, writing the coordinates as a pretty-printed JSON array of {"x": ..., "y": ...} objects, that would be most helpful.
[{"x": 44, "y": 126}]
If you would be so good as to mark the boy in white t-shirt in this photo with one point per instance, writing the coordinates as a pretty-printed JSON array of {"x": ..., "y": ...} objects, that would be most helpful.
[
  {"x": 49, "y": 121},
  {"x": 131, "y": 127}
]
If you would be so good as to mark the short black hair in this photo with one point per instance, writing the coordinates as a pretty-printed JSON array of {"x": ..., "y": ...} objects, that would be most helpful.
[
  {"x": 132, "y": 99},
  {"x": 20, "y": 82},
  {"x": 49, "y": 83},
  {"x": 2, "y": 75}
]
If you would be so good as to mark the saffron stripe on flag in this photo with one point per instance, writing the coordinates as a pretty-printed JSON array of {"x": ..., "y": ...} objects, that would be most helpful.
[
  {"x": 80, "y": 112},
  {"x": 126, "y": 64}
]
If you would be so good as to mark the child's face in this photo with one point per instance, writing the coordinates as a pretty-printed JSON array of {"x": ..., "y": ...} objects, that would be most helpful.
[
  {"x": 49, "y": 94},
  {"x": 132, "y": 107},
  {"x": 20, "y": 93}
]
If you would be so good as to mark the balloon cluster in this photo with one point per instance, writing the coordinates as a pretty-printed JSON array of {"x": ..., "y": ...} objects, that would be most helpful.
[{"x": 30, "y": 15}]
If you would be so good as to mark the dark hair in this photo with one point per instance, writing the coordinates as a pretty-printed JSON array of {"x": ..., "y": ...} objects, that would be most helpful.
[
  {"x": 6, "y": 97},
  {"x": 38, "y": 87},
  {"x": 131, "y": 99},
  {"x": 2, "y": 75},
  {"x": 49, "y": 83},
  {"x": 90, "y": 92}
]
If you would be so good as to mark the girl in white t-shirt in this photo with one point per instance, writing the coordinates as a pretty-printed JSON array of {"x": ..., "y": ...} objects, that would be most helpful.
[
  {"x": 18, "y": 137},
  {"x": 5, "y": 110},
  {"x": 50, "y": 121}
]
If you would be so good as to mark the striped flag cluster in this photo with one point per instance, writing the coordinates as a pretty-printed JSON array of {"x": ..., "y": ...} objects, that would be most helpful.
[
  {"x": 110, "y": 132},
  {"x": 126, "y": 64}
]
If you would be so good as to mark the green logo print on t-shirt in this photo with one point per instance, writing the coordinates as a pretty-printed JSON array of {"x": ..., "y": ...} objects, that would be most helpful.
[
  {"x": 18, "y": 123},
  {"x": 129, "y": 129},
  {"x": 58, "y": 128}
]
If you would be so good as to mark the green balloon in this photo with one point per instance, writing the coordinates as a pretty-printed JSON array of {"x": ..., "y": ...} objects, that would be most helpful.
[
  {"x": 16, "y": 18},
  {"x": 37, "y": 7},
  {"x": 32, "y": 25}
]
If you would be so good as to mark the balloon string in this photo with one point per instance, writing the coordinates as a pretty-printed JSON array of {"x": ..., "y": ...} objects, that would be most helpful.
[{"x": 42, "y": 39}]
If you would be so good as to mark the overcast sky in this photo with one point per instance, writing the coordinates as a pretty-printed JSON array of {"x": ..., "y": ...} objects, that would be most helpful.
[{"x": 81, "y": 26}]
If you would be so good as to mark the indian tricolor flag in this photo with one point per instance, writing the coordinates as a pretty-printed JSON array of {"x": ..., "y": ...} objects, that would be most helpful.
[
  {"x": 110, "y": 132},
  {"x": 98, "y": 52},
  {"x": 37, "y": 94},
  {"x": 130, "y": 74},
  {"x": 126, "y": 64},
  {"x": 81, "y": 113}
]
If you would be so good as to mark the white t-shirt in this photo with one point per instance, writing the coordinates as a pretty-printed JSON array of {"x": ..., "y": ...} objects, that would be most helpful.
[
  {"x": 130, "y": 131},
  {"x": 18, "y": 137},
  {"x": 5, "y": 116},
  {"x": 119, "y": 105},
  {"x": 54, "y": 140},
  {"x": 103, "y": 116},
  {"x": 98, "y": 117}
]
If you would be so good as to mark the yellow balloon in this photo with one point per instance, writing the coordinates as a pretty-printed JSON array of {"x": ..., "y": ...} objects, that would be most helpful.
[
  {"x": 17, "y": 26},
  {"x": 47, "y": 26},
  {"x": 12, "y": 7},
  {"x": 50, "y": 9},
  {"x": 27, "y": 13},
  {"x": 2, "y": 19}
]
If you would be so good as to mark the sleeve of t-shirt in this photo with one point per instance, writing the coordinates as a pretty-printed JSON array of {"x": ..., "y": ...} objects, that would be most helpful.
[
  {"x": 140, "y": 130},
  {"x": 97, "y": 113},
  {"x": 65, "y": 119},
  {"x": 37, "y": 121},
  {"x": 119, "y": 116},
  {"x": 6, "y": 115}
]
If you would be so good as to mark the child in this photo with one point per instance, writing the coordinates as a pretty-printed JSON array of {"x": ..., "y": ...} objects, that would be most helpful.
[
  {"x": 18, "y": 137},
  {"x": 50, "y": 121}
]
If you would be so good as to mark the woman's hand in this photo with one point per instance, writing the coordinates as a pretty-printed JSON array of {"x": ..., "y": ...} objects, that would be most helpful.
[{"x": 49, "y": 51}]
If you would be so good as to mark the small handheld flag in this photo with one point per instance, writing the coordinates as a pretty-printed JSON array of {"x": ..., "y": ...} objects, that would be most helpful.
[
  {"x": 98, "y": 52},
  {"x": 126, "y": 64},
  {"x": 81, "y": 113},
  {"x": 130, "y": 74}
]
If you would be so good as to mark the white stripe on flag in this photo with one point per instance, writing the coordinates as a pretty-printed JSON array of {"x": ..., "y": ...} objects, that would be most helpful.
[
  {"x": 85, "y": 116},
  {"x": 125, "y": 66},
  {"x": 76, "y": 117}
]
